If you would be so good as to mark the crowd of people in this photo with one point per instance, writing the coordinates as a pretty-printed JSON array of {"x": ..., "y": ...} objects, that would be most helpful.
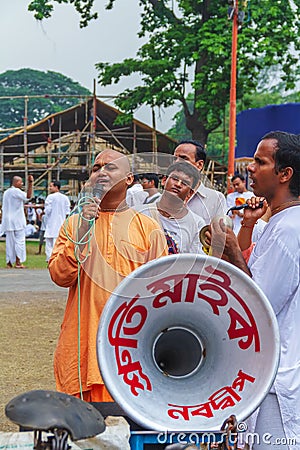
[
  {"x": 135, "y": 218},
  {"x": 24, "y": 217}
]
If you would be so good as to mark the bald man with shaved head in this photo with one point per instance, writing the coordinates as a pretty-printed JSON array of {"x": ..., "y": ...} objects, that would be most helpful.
[
  {"x": 14, "y": 221},
  {"x": 112, "y": 240}
]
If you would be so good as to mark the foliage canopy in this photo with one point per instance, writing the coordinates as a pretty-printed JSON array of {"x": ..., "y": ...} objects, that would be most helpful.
[
  {"x": 43, "y": 85},
  {"x": 188, "y": 50}
]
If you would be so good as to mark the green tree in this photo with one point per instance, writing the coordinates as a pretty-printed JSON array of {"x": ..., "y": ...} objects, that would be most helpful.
[
  {"x": 46, "y": 86},
  {"x": 189, "y": 50}
]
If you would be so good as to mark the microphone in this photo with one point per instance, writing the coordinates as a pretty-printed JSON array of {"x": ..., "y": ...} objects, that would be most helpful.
[
  {"x": 244, "y": 206},
  {"x": 98, "y": 190}
]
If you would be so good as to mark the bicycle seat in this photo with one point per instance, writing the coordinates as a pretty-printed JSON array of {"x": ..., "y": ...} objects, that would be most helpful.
[{"x": 48, "y": 410}]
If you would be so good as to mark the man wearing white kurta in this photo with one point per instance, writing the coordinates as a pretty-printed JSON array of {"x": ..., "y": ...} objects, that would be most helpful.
[
  {"x": 57, "y": 207},
  {"x": 135, "y": 194},
  {"x": 207, "y": 203},
  {"x": 14, "y": 221},
  {"x": 280, "y": 245},
  {"x": 275, "y": 266}
]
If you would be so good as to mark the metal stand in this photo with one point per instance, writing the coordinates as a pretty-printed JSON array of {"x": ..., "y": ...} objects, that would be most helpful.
[{"x": 57, "y": 441}]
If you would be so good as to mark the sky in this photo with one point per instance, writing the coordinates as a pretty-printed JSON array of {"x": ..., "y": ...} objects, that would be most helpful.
[{"x": 60, "y": 45}]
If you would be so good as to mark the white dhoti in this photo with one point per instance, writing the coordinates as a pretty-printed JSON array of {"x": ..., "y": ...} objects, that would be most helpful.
[
  {"x": 15, "y": 246},
  {"x": 50, "y": 241}
]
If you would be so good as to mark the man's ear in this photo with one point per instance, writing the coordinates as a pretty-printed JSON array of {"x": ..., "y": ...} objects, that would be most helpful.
[
  {"x": 163, "y": 180},
  {"x": 129, "y": 178},
  {"x": 200, "y": 164},
  {"x": 286, "y": 174},
  {"x": 189, "y": 195}
]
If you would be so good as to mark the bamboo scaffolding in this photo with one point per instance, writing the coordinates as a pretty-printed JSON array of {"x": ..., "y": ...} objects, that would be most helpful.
[{"x": 59, "y": 152}]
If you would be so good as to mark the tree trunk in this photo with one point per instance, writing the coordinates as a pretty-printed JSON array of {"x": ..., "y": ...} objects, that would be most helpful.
[{"x": 199, "y": 132}]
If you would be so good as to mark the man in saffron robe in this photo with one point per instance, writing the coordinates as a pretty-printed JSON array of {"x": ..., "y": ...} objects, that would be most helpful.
[{"x": 113, "y": 240}]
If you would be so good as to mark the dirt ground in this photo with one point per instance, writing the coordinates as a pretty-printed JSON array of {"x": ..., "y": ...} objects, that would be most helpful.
[{"x": 30, "y": 323}]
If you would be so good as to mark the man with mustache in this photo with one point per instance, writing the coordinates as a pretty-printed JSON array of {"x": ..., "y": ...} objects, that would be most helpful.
[{"x": 205, "y": 202}]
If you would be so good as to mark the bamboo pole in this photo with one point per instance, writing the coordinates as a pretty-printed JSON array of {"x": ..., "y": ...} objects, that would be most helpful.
[
  {"x": 59, "y": 150},
  {"x": 232, "y": 112},
  {"x": 134, "y": 150},
  {"x": 1, "y": 174},
  {"x": 94, "y": 123},
  {"x": 154, "y": 140},
  {"x": 111, "y": 133},
  {"x": 26, "y": 141}
]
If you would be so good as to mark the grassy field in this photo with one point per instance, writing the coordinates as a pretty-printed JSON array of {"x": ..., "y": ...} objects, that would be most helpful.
[
  {"x": 33, "y": 261},
  {"x": 30, "y": 326}
]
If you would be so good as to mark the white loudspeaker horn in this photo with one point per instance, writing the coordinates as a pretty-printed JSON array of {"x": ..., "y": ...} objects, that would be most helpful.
[{"x": 185, "y": 341}]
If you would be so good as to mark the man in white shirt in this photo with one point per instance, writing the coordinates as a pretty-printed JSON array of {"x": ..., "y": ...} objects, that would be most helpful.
[
  {"x": 150, "y": 182},
  {"x": 31, "y": 212},
  {"x": 14, "y": 221},
  {"x": 180, "y": 225},
  {"x": 274, "y": 265},
  {"x": 31, "y": 230},
  {"x": 57, "y": 207},
  {"x": 135, "y": 195},
  {"x": 238, "y": 198},
  {"x": 206, "y": 203}
]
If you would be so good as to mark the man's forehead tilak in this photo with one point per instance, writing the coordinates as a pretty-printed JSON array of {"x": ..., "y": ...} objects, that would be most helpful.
[{"x": 112, "y": 156}]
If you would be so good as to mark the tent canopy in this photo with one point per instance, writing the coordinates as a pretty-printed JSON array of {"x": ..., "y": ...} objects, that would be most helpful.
[{"x": 134, "y": 136}]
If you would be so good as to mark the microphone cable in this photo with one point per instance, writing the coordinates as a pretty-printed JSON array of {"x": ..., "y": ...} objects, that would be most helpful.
[
  {"x": 84, "y": 240},
  {"x": 244, "y": 206}
]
